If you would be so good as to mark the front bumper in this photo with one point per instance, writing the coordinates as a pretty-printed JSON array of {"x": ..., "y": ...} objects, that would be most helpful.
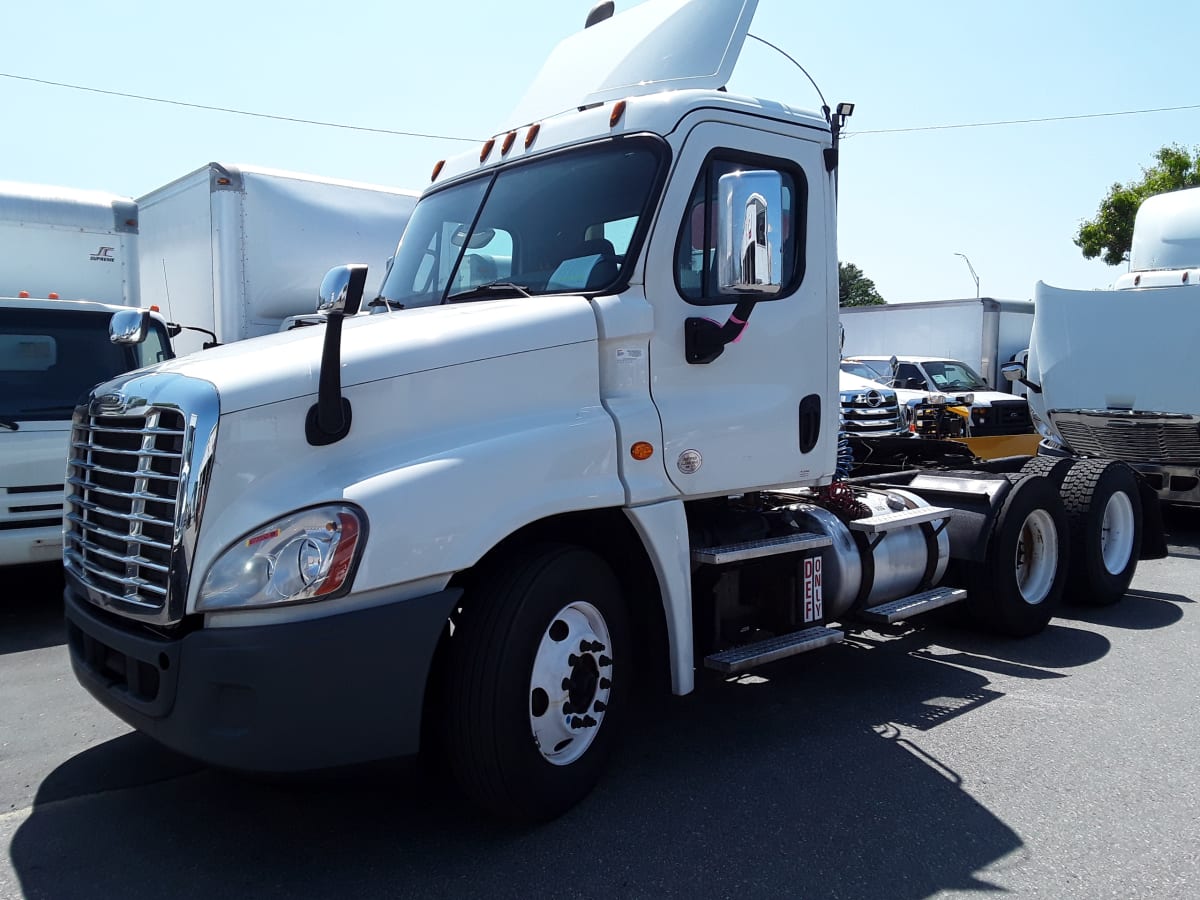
[
  {"x": 39, "y": 544},
  {"x": 274, "y": 698}
]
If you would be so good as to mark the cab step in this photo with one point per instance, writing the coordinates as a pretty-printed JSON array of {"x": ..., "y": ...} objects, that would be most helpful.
[
  {"x": 731, "y": 553},
  {"x": 907, "y": 607},
  {"x": 747, "y": 656},
  {"x": 900, "y": 519}
]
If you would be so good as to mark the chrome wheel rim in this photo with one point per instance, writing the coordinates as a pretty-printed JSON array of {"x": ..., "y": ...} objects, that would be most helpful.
[{"x": 571, "y": 683}]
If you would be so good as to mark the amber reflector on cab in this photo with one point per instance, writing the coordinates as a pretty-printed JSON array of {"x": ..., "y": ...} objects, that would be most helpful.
[{"x": 641, "y": 450}]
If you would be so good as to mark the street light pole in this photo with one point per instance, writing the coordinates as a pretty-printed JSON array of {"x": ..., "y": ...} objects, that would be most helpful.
[{"x": 973, "y": 275}]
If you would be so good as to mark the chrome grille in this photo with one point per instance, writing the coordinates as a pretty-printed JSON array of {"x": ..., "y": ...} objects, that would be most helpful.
[
  {"x": 866, "y": 413},
  {"x": 124, "y": 490},
  {"x": 1132, "y": 437}
]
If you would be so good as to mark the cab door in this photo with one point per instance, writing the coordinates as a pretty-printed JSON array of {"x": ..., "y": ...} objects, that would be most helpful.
[{"x": 762, "y": 411}]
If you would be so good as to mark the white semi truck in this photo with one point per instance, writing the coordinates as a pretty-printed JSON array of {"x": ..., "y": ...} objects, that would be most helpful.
[
  {"x": 600, "y": 420},
  {"x": 1111, "y": 373},
  {"x": 69, "y": 264},
  {"x": 235, "y": 251}
]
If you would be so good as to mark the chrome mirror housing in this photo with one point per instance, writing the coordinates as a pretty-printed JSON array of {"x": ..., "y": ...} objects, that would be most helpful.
[
  {"x": 1013, "y": 371},
  {"x": 749, "y": 231},
  {"x": 129, "y": 326}
]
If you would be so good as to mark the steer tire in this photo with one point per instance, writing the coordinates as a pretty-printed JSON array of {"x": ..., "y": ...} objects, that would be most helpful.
[
  {"x": 1104, "y": 517},
  {"x": 1017, "y": 588},
  {"x": 506, "y": 635}
]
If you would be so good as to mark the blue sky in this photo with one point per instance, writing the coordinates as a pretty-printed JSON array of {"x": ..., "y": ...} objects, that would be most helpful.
[{"x": 1009, "y": 197}]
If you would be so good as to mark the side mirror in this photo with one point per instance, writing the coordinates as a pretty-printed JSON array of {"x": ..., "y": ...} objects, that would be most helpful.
[
  {"x": 1014, "y": 371},
  {"x": 129, "y": 326},
  {"x": 749, "y": 229},
  {"x": 342, "y": 289}
]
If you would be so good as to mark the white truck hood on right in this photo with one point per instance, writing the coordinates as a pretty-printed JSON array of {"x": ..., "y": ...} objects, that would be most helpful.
[{"x": 1128, "y": 349}]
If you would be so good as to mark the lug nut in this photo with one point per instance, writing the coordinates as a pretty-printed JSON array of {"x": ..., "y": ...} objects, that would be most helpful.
[
  {"x": 605, "y": 684},
  {"x": 599, "y": 706},
  {"x": 605, "y": 661}
]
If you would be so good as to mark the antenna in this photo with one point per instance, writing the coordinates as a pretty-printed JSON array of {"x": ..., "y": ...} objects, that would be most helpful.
[
  {"x": 824, "y": 104},
  {"x": 167, "y": 289}
]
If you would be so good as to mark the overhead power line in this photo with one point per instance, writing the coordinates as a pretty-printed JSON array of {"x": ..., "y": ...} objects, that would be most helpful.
[
  {"x": 1103, "y": 115},
  {"x": 240, "y": 112},
  {"x": 451, "y": 137}
]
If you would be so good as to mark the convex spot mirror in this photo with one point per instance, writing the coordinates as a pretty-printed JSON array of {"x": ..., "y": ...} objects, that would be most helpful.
[
  {"x": 342, "y": 289},
  {"x": 129, "y": 326},
  {"x": 749, "y": 231}
]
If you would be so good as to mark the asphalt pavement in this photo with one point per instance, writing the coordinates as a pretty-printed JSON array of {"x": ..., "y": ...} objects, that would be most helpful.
[{"x": 932, "y": 762}]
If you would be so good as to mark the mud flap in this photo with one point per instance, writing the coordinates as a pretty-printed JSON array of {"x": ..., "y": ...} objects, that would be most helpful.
[{"x": 1154, "y": 537}]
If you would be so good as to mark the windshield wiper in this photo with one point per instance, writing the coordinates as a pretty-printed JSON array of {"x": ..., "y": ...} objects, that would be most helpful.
[
  {"x": 492, "y": 287},
  {"x": 10, "y": 424}
]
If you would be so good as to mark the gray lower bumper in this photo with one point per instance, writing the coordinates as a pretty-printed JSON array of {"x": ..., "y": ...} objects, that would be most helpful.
[{"x": 277, "y": 698}]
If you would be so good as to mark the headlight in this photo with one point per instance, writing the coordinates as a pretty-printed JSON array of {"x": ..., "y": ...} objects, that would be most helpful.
[{"x": 309, "y": 555}]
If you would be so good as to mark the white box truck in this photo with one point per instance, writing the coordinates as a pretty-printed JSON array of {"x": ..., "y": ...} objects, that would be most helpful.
[
  {"x": 69, "y": 263},
  {"x": 237, "y": 250},
  {"x": 984, "y": 333},
  {"x": 1113, "y": 373},
  {"x": 600, "y": 421}
]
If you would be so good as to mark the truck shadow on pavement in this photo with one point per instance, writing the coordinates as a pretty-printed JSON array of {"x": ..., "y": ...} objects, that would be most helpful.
[
  {"x": 800, "y": 780},
  {"x": 31, "y": 610}
]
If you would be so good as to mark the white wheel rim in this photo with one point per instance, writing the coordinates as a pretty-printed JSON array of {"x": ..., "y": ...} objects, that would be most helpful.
[
  {"x": 572, "y": 668},
  {"x": 1116, "y": 533},
  {"x": 1037, "y": 556}
]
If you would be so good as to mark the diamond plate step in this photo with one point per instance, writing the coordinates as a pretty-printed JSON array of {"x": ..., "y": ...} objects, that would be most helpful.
[
  {"x": 900, "y": 519},
  {"x": 730, "y": 553},
  {"x": 747, "y": 656},
  {"x": 907, "y": 607}
]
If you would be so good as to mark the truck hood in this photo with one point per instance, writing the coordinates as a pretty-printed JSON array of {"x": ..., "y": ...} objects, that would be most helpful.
[
  {"x": 1129, "y": 349},
  {"x": 284, "y": 366}
]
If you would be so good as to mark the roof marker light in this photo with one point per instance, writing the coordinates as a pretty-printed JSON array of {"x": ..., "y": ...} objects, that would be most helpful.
[
  {"x": 437, "y": 169},
  {"x": 53, "y": 295},
  {"x": 508, "y": 142},
  {"x": 24, "y": 295},
  {"x": 487, "y": 149},
  {"x": 532, "y": 133},
  {"x": 618, "y": 110}
]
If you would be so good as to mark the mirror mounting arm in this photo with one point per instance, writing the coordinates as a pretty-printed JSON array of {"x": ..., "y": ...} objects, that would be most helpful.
[{"x": 328, "y": 420}]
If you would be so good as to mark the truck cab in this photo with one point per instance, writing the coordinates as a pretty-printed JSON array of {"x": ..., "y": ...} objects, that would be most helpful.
[{"x": 52, "y": 352}]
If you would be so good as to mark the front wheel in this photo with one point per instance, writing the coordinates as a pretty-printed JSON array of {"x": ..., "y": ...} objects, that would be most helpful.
[
  {"x": 539, "y": 675},
  {"x": 1104, "y": 514},
  {"x": 1017, "y": 588}
]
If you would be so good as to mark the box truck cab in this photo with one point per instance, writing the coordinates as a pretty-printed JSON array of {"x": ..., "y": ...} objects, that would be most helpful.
[{"x": 52, "y": 352}]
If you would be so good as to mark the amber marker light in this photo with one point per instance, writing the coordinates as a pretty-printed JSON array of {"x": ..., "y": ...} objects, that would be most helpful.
[
  {"x": 618, "y": 110},
  {"x": 532, "y": 134},
  {"x": 437, "y": 169},
  {"x": 508, "y": 142},
  {"x": 487, "y": 150},
  {"x": 641, "y": 450},
  {"x": 53, "y": 295}
]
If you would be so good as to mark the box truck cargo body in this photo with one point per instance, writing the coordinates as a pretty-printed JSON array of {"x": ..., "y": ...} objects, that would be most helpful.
[
  {"x": 78, "y": 244},
  {"x": 237, "y": 250},
  {"x": 984, "y": 333}
]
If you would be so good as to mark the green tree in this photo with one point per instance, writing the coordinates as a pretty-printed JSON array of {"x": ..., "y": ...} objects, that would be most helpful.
[
  {"x": 1110, "y": 233},
  {"x": 855, "y": 288}
]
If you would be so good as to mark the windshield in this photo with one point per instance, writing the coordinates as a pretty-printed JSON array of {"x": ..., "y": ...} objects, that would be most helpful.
[
  {"x": 50, "y": 359},
  {"x": 949, "y": 375},
  {"x": 568, "y": 222}
]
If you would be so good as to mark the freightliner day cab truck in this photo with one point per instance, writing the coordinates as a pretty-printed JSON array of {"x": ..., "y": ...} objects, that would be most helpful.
[
  {"x": 1112, "y": 373},
  {"x": 600, "y": 421},
  {"x": 69, "y": 264}
]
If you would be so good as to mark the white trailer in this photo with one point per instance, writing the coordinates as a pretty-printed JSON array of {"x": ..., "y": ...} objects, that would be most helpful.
[
  {"x": 237, "y": 250},
  {"x": 984, "y": 333}
]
